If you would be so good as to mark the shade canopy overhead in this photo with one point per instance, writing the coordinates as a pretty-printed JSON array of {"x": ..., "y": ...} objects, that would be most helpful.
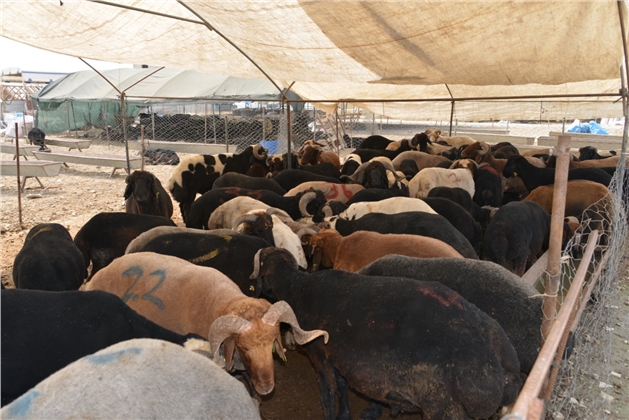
[{"x": 356, "y": 50}]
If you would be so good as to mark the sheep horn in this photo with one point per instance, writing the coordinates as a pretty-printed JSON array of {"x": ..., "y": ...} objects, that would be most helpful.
[
  {"x": 259, "y": 152},
  {"x": 245, "y": 218},
  {"x": 222, "y": 328},
  {"x": 282, "y": 312},
  {"x": 327, "y": 211},
  {"x": 484, "y": 148},
  {"x": 256, "y": 265},
  {"x": 275, "y": 211},
  {"x": 304, "y": 201},
  {"x": 305, "y": 231},
  {"x": 389, "y": 167}
]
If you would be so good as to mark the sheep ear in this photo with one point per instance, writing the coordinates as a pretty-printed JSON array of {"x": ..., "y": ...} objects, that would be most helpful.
[
  {"x": 128, "y": 191},
  {"x": 282, "y": 312},
  {"x": 223, "y": 328}
]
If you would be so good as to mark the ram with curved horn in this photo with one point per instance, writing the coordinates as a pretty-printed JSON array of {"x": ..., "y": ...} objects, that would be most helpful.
[
  {"x": 182, "y": 296},
  {"x": 296, "y": 206},
  {"x": 374, "y": 174}
]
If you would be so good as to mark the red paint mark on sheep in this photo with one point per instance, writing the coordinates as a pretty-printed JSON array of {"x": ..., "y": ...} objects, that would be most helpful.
[{"x": 446, "y": 299}]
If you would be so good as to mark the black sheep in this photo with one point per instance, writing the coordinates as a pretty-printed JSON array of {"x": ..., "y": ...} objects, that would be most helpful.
[
  {"x": 488, "y": 187},
  {"x": 517, "y": 235},
  {"x": 49, "y": 260},
  {"x": 415, "y": 346},
  {"x": 235, "y": 179},
  {"x": 145, "y": 194},
  {"x": 290, "y": 178},
  {"x": 106, "y": 235},
  {"x": 376, "y": 142},
  {"x": 43, "y": 332},
  {"x": 493, "y": 289},
  {"x": 232, "y": 255},
  {"x": 534, "y": 177},
  {"x": 460, "y": 218}
]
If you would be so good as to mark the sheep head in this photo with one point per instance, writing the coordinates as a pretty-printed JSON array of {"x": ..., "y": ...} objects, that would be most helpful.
[
  {"x": 325, "y": 245},
  {"x": 433, "y": 135},
  {"x": 252, "y": 329},
  {"x": 475, "y": 151}
]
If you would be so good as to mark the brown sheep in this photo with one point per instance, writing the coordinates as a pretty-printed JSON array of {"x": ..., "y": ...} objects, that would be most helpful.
[
  {"x": 312, "y": 153},
  {"x": 144, "y": 194},
  {"x": 580, "y": 194},
  {"x": 422, "y": 159},
  {"x": 353, "y": 252},
  {"x": 182, "y": 296}
]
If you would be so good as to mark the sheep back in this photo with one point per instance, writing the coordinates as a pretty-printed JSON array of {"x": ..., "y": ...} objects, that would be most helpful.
[{"x": 147, "y": 370}]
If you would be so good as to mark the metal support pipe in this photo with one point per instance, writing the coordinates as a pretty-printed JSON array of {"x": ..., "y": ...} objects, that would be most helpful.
[
  {"x": 288, "y": 136},
  {"x": 451, "y": 118},
  {"x": 556, "y": 234},
  {"x": 19, "y": 183},
  {"x": 124, "y": 131}
]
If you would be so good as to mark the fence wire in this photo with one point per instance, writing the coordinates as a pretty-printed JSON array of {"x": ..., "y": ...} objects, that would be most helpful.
[{"x": 585, "y": 381}]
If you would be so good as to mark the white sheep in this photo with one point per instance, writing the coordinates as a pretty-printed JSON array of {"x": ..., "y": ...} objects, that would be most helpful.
[
  {"x": 137, "y": 379},
  {"x": 227, "y": 213},
  {"x": 429, "y": 178},
  {"x": 387, "y": 206}
]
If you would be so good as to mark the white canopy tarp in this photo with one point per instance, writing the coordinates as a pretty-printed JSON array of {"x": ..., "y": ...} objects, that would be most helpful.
[
  {"x": 146, "y": 86},
  {"x": 337, "y": 50}
]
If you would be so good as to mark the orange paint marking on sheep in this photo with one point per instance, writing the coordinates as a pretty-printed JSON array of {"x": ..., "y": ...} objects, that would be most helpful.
[{"x": 450, "y": 298}]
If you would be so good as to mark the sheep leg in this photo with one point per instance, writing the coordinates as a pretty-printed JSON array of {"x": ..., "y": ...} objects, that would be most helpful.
[
  {"x": 343, "y": 388},
  {"x": 327, "y": 380}
]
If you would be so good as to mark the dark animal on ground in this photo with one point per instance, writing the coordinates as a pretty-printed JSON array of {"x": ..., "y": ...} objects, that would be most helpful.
[
  {"x": 38, "y": 138},
  {"x": 456, "y": 361},
  {"x": 49, "y": 260},
  {"x": 144, "y": 194},
  {"x": 160, "y": 157},
  {"x": 106, "y": 235}
]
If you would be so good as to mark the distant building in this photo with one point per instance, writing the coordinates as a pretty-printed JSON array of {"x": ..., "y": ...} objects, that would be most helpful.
[{"x": 18, "y": 85}]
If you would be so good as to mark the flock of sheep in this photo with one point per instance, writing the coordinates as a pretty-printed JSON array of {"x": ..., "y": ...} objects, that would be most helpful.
[{"x": 398, "y": 272}]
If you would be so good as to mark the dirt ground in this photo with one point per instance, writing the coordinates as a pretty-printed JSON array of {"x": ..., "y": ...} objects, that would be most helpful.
[{"x": 81, "y": 191}]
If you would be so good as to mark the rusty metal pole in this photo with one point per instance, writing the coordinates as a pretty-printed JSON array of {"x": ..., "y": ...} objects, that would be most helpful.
[
  {"x": 19, "y": 183},
  {"x": 143, "y": 148},
  {"x": 289, "y": 130},
  {"x": 556, "y": 233}
]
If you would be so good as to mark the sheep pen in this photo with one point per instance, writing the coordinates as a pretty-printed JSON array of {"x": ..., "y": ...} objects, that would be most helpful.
[{"x": 81, "y": 191}]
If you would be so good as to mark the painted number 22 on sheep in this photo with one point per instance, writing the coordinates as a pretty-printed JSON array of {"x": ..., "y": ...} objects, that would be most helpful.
[{"x": 137, "y": 272}]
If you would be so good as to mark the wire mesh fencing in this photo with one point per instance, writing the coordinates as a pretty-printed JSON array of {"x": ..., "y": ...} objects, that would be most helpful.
[{"x": 585, "y": 379}]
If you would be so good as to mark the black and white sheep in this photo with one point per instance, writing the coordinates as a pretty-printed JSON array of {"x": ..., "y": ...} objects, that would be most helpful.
[
  {"x": 196, "y": 174},
  {"x": 160, "y": 380},
  {"x": 49, "y": 260}
]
